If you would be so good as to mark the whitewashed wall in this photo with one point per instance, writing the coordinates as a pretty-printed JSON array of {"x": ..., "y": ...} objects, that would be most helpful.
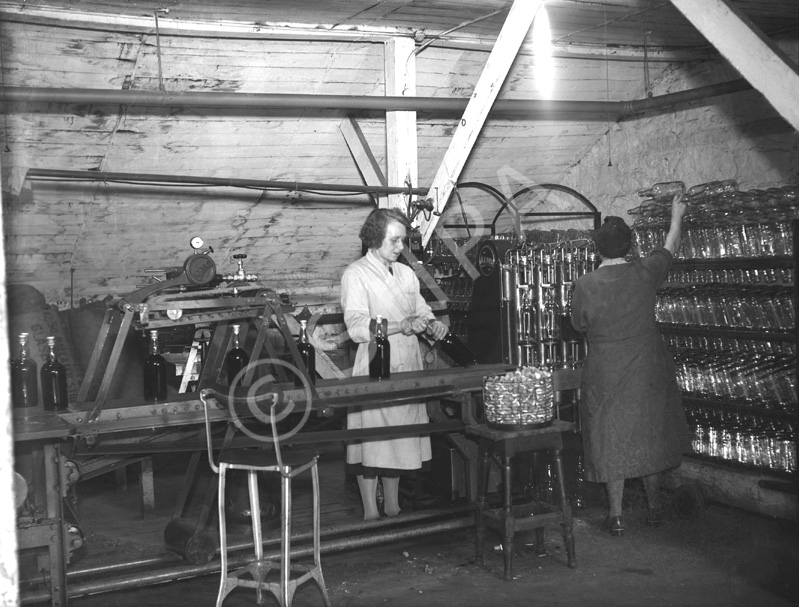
[
  {"x": 87, "y": 241},
  {"x": 736, "y": 136}
]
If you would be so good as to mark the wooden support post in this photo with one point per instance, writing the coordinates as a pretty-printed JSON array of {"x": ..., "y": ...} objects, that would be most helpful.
[
  {"x": 401, "y": 157},
  {"x": 485, "y": 92},
  {"x": 94, "y": 361},
  {"x": 111, "y": 366},
  {"x": 54, "y": 512},
  {"x": 758, "y": 59},
  {"x": 189, "y": 374}
]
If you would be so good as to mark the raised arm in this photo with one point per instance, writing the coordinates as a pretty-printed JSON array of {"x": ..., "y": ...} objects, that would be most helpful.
[{"x": 678, "y": 209}]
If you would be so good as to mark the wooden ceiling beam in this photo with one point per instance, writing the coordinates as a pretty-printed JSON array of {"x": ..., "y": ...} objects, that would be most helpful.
[
  {"x": 756, "y": 57},
  {"x": 371, "y": 33},
  {"x": 497, "y": 66}
]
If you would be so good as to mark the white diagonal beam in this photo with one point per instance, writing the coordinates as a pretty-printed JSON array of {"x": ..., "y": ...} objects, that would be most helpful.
[
  {"x": 485, "y": 92},
  {"x": 758, "y": 59}
]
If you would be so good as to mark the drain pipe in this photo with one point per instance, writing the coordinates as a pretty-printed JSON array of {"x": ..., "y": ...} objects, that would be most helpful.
[
  {"x": 620, "y": 108},
  {"x": 671, "y": 99},
  {"x": 438, "y": 105},
  {"x": 171, "y": 574}
]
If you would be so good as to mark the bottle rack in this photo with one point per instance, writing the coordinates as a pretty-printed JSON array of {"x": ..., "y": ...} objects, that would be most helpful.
[
  {"x": 727, "y": 313},
  {"x": 536, "y": 286}
]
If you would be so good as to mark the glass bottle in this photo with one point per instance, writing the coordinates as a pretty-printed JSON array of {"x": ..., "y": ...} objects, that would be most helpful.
[
  {"x": 54, "y": 381},
  {"x": 236, "y": 358},
  {"x": 713, "y": 188},
  {"x": 307, "y": 353},
  {"x": 154, "y": 372},
  {"x": 663, "y": 190},
  {"x": 24, "y": 377},
  {"x": 458, "y": 351},
  {"x": 379, "y": 352}
]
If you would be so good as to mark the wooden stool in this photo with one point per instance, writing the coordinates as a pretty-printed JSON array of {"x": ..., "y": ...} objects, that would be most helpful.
[
  {"x": 254, "y": 574},
  {"x": 503, "y": 445}
]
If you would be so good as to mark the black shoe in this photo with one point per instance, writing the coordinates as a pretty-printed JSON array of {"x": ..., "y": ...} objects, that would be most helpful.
[{"x": 615, "y": 525}]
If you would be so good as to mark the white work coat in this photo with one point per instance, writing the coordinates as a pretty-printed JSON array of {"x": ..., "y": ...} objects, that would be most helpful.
[{"x": 369, "y": 289}]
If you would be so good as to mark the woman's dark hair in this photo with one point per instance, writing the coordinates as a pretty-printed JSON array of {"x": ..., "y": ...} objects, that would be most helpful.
[
  {"x": 613, "y": 238},
  {"x": 373, "y": 230}
]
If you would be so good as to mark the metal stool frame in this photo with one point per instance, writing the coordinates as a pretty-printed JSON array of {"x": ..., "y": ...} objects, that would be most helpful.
[{"x": 253, "y": 462}]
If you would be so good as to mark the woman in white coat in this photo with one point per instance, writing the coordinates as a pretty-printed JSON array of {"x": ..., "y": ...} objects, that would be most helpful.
[{"x": 377, "y": 285}]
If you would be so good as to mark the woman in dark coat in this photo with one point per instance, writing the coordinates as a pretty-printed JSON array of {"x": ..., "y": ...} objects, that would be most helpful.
[{"x": 632, "y": 416}]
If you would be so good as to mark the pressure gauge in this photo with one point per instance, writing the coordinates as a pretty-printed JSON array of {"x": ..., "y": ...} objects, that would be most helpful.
[{"x": 196, "y": 243}]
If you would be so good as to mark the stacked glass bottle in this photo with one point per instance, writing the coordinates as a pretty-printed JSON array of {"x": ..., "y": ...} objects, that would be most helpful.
[
  {"x": 727, "y": 313},
  {"x": 722, "y": 222}
]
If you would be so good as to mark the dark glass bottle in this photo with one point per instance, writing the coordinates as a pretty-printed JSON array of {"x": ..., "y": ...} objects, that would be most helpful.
[
  {"x": 307, "y": 353},
  {"x": 54, "y": 381},
  {"x": 379, "y": 353},
  {"x": 236, "y": 358},
  {"x": 24, "y": 377},
  {"x": 458, "y": 351},
  {"x": 154, "y": 372}
]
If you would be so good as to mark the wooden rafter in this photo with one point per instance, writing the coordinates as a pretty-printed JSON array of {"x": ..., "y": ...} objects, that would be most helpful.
[
  {"x": 485, "y": 92},
  {"x": 758, "y": 59}
]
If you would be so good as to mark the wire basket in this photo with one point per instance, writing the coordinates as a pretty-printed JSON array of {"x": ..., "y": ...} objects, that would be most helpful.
[{"x": 521, "y": 400}]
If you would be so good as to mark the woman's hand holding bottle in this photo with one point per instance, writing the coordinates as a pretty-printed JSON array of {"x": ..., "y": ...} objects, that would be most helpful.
[
  {"x": 418, "y": 325},
  {"x": 437, "y": 329}
]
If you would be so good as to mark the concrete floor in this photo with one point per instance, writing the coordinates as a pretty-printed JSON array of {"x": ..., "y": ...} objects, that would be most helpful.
[{"x": 717, "y": 557}]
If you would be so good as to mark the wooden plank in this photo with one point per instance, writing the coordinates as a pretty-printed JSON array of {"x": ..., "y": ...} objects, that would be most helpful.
[
  {"x": 749, "y": 50},
  {"x": 401, "y": 141},
  {"x": 362, "y": 154},
  {"x": 499, "y": 61}
]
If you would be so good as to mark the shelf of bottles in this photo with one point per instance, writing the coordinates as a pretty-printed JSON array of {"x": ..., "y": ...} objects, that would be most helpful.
[
  {"x": 721, "y": 222},
  {"x": 536, "y": 284},
  {"x": 727, "y": 312}
]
